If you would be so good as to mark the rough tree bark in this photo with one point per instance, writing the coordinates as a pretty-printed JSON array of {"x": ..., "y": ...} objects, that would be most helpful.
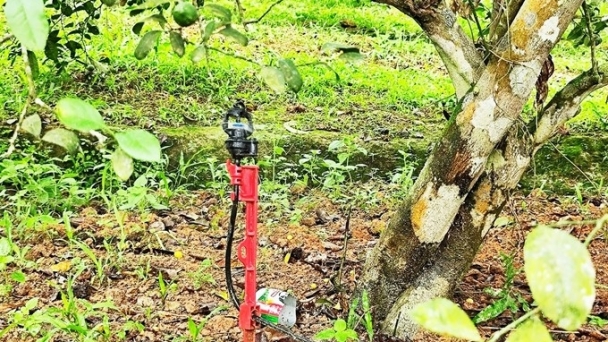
[{"x": 482, "y": 155}]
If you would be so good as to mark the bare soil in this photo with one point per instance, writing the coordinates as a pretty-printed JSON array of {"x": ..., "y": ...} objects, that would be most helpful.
[{"x": 316, "y": 259}]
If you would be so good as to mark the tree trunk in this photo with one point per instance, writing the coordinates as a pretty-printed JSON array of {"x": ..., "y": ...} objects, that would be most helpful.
[{"x": 481, "y": 156}]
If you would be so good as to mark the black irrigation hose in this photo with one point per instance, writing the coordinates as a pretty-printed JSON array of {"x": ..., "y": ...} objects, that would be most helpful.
[{"x": 228, "y": 256}]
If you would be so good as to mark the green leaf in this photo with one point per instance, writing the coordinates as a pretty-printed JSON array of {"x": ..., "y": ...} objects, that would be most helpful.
[
  {"x": 151, "y": 4},
  {"x": 198, "y": 54},
  {"x": 443, "y": 317},
  {"x": 177, "y": 43},
  {"x": 339, "y": 325},
  {"x": 27, "y": 22},
  {"x": 209, "y": 29},
  {"x": 326, "y": 334},
  {"x": 19, "y": 277},
  {"x": 5, "y": 246},
  {"x": 32, "y": 125},
  {"x": 493, "y": 311},
  {"x": 230, "y": 32},
  {"x": 346, "y": 335},
  {"x": 122, "y": 164},
  {"x": 220, "y": 12},
  {"x": 68, "y": 140},
  {"x": 159, "y": 18},
  {"x": 274, "y": 78},
  {"x": 79, "y": 115},
  {"x": 192, "y": 328},
  {"x": 532, "y": 330},
  {"x": 291, "y": 73},
  {"x": 139, "y": 144},
  {"x": 31, "y": 304},
  {"x": 561, "y": 276},
  {"x": 146, "y": 44},
  {"x": 33, "y": 62}
]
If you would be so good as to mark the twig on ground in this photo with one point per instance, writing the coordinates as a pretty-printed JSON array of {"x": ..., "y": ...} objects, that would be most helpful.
[{"x": 253, "y": 21}]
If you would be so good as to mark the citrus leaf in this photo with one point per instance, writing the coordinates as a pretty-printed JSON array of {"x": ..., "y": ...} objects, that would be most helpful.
[
  {"x": 32, "y": 125},
  {"x": 27, "y": 22},
  {"x": 561, "y": 276},
  {"x": 443, "y": 317},
  {"x": 532, "y": 330},
  {"x": 292, "y": 75},
  {"x": 79, "y": 115},
  {"x": 274, "y": 78},
  {"x": 209, "y": 29},
  {"x": 146, "y": 44},
  {"x": 220, "y": 12},
  {"x": 122, "y": 164},
  {"x": 32, "y": 60},
  {"x": 68, "y": 140},
  {"x": 230, "y": 32},
  {"x": 198, "y": 54},
  {"x": 177, "y": 43},
  {"x": 151, "y": 4},
  {"x": 155, "y": 17},
  {"x": 139, "y": 144}
]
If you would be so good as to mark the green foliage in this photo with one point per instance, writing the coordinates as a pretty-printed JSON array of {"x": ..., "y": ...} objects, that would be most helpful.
[
  {"x": 506, "y": 298},
  {"x": 340, "y": 333},
  {"x": 561, "y": 276},
  {"x": 532, "y": 328},
  {"x": 562, "y": 280},
  {"x": 202, "y": 276},
  {"x": 27, "y": 22},
  {"x": 443, "y": 317}
]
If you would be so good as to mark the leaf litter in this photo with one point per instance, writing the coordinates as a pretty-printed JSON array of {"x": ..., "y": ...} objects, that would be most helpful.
[{"x": 185, "y": 246}]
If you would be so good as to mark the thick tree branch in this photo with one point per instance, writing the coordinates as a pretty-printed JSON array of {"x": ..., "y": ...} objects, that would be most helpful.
[
  {"x": 459, "y": 159},
  {"x": 457, "y": 50},
  {"x": 474, "y": 219},
  {"x": 566, "y": 103},
  {"x": 503, "y": 13}
]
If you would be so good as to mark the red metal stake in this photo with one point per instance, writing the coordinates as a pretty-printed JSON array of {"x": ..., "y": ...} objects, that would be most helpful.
[{"x": 246, "y": 177}]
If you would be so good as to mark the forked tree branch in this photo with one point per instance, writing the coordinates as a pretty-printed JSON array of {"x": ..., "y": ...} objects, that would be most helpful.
[
  {"x": 503, "y": 13},
  {"x": 566, "y": 103},
  {"x": 457, "y": 50}
]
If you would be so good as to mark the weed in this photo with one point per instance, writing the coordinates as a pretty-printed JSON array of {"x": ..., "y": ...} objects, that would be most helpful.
[
  {"x": 339, "y": 332},
  {"x": 195, "y": 329},
  {"x": 506, "y": 298},
  {"x": 201, "y": 276}
]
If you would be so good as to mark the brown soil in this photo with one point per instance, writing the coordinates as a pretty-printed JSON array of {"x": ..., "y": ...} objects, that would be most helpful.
[{"x": 196, "y": 227}]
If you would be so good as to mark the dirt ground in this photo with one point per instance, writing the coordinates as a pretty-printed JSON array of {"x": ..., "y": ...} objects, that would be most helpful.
[{"x": 304, "y": 258}]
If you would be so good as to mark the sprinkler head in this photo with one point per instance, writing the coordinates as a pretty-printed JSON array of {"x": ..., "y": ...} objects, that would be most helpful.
[{"x": 239, "y": 144}]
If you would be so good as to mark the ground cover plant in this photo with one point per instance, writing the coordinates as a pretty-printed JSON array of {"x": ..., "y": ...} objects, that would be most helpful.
[{"x": 121, "y": 238}]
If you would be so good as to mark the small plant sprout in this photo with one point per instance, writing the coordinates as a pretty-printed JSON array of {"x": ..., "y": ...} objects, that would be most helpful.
[{"x": 339, "y": 333}]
